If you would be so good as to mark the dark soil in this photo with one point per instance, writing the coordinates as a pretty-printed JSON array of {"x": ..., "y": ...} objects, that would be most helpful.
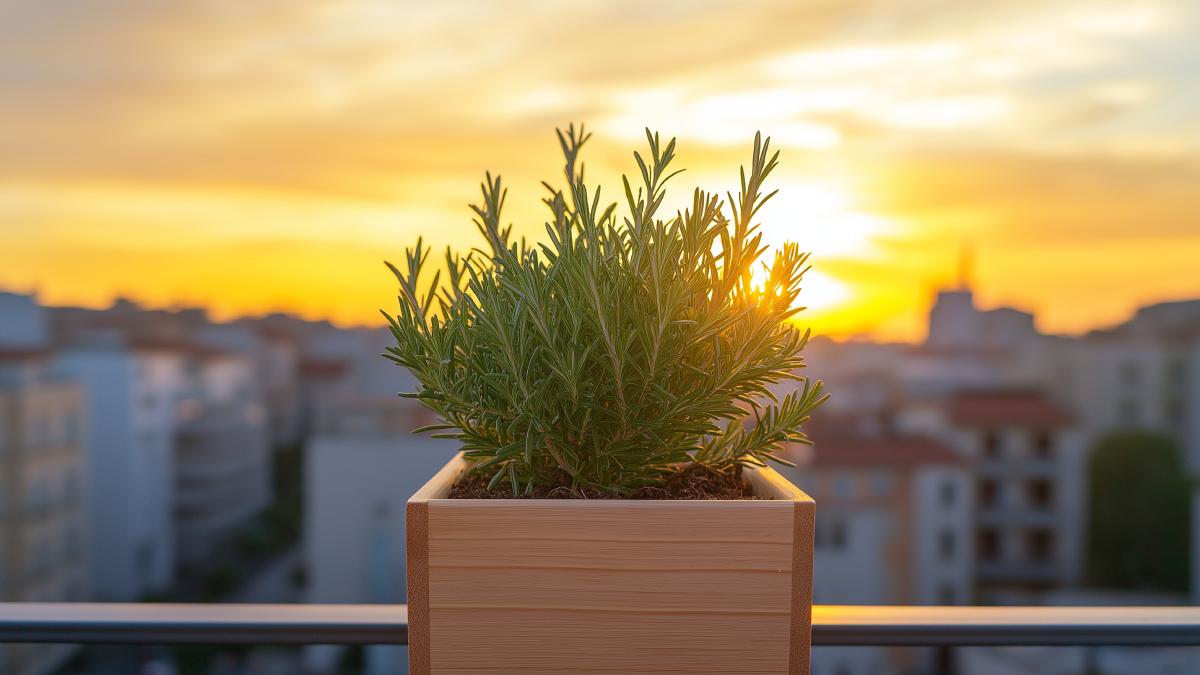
[{"x": 691, "y": 481}]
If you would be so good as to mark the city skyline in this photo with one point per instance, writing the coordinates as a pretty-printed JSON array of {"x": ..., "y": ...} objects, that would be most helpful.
[
  {"x": 270, "y": 158},
  {"x": 217, "y": 316}
]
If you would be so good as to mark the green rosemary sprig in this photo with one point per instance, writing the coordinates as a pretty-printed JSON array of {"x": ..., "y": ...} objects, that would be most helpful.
[{"x": 617, "y": 348}]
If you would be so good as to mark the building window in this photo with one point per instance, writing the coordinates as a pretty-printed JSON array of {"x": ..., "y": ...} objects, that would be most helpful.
[
  {"x": 948, "y": 493},
  {"x": 145, "y": 559},
  {"x": 991, "y": 444},
  {"x": 881, "y": 484},
  {"x": 148, "y": 440},
  {"x": 989, "y": 493},
  {"x": 1041, "y": 494},
  {"x": 1131, "y": 373},
  {"x": 70, "y": 422},
  {"x": 41, "y": 558},
  {"x": 70, "y": 541},
  {"x": 1039, "y": 545},
  {"x": 843, "y": 486},
  {"x": 830, "y": 532},
  {"x": 70, "y": 486},
  {"x": 1176, "y": 413},
  {"x": 837, "y": 535},
  {"x": 41, "y": 431},
  {"x": 989, "y": 544},
  {"x": 1043, "y": 443},
  {"x": 947, "y": 545},
  {"x": 37, "y": 495},
  {"x": 1129, "y": 412},
  {"x": 1176, "y": 373}
]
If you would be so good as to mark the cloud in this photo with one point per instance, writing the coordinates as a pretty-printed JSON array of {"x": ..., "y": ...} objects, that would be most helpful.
[
  {"x": 1047, "y": 198},
  {"x": 1020, "y": 123}
]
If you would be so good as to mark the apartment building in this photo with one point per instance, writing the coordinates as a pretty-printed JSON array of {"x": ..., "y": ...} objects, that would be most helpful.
[
  {"x": 181, "y": 442},
  {"x": 23, "y": 323},
  {"x": 360, "y": 469},
  {"x": 1027, "y": 459},
  {"x": 129, "y": 448},
  {"x": 273, "y": 349},
  {"x": 42, "y": 518},
  {"x": 222, "y": 471},
  {"x": 893, "y": 527},
  {"x": 956, "y": 323},
  {"x": 1143, "y": 374}
]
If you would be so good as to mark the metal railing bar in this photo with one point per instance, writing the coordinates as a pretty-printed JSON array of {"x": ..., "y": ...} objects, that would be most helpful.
[
  {"x": 153, "y": 623},
  {"x": 1012, "y": 626},
  {"x": 163, "y": 623}
]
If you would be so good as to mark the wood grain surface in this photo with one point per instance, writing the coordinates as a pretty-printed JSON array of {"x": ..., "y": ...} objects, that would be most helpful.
[{"x": 610, "y": 586}]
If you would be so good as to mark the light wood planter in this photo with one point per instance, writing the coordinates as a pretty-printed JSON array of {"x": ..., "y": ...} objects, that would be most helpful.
[{"x": 527, "y": 586}]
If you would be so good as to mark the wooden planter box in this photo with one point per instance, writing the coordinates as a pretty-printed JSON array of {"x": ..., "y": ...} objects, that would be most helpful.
[{"x": 528, "y": 586}]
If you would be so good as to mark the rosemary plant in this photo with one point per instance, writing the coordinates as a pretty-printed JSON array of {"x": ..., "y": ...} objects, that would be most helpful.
[{"x": 620, "y": 347}]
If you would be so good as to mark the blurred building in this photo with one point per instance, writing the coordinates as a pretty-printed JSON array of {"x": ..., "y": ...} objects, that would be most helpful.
[
  {"x": 342, "y": 370},
  {"x": 1141, "y": 375},
  {"x": 222, "y": 453},
  {"x": 955, "y": 323},
  {"x": 271, "y": 346},
  {"x": 23, "y": 322},
  {"x": 1095, "y": 660},
  {"x": 894, "y": 527},
  {"x": 1027, "y": 461},
  {"x": 362, "y": 462},
  {"x": 179, "y": 439},
  {"x": 42, "y": 519},
  {"x": 361, "y": 468},
  {"x": 132, "y": 392}
]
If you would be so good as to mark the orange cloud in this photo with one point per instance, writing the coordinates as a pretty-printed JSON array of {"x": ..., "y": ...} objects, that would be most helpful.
[{"x": 267, "y": 155}]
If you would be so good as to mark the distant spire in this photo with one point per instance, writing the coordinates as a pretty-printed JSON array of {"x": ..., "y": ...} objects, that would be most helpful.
[{"x": 966, "y": 265}]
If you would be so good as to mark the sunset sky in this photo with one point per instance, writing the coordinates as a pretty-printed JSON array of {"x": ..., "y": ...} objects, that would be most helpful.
[{"x": 268, "y": 155}]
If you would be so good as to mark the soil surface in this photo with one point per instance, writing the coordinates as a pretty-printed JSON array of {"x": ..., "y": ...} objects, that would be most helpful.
[{"x": 691, "y": 481}]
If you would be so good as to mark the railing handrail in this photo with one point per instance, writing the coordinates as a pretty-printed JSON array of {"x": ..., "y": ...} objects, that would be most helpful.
[
  {"x": 1025, "y": 626},
  {"x": 217, "y": 623},
  {"x": 162, "y": 623}
]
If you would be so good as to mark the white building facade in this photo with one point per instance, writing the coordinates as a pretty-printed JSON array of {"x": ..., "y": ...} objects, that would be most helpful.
[
  {"x": 894, "y": 522},
  {"x": 129, "y": 451},
  {"x": 222, "y": 472},
  {"x": 42, "y": 518},
  {"x": 358, "y": 478}
]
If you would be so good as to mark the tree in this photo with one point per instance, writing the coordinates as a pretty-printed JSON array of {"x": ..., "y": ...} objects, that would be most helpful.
[{"x": 1139, "y": 509}]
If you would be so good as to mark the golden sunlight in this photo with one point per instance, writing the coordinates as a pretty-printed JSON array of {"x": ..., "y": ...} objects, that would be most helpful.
[{"x": 269, "y": 159}]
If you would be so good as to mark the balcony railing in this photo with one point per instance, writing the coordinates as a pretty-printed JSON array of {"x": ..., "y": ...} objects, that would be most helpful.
[{"x": 388, "y": 624}]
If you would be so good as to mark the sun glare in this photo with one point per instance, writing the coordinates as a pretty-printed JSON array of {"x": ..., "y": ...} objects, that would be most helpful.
[
  {"x": 818, "y": 292},
  {"x": 821, "y": 218}
]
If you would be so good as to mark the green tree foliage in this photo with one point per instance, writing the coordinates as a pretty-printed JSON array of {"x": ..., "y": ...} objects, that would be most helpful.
[
  {"x": 1139, "y": 506},
  {"x": 619, "y": 347}
]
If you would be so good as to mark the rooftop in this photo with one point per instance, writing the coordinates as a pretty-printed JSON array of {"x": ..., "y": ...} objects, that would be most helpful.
[
  {"x": 1006, "y": 408},
  {"x": 895, "y": 451},
  {"x": 23, "y": 354}
]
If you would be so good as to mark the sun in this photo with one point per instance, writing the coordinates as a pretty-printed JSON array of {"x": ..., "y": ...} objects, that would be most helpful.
[
  {"x": 822, "y": 218},
  {"x": 818, "y": 291}
]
